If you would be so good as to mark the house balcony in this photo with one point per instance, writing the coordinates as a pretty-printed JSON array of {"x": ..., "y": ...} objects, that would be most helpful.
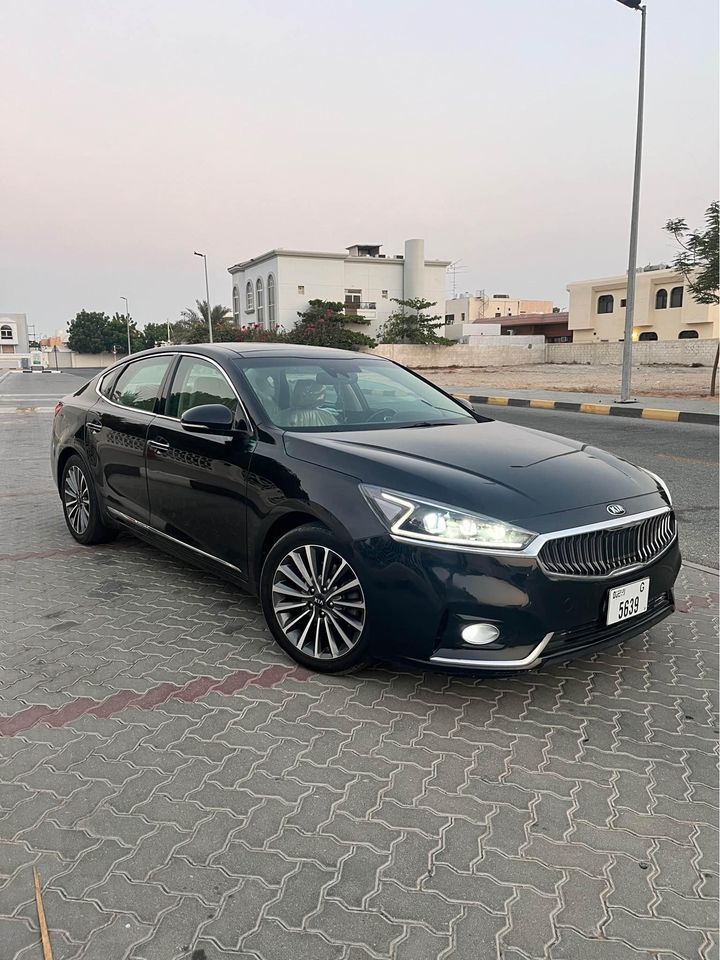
[{"x": 355, "y": 307}]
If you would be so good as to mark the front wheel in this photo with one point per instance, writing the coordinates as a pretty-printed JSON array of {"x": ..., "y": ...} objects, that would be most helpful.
[
  {"x": 80, "y": 504},
  {"x": 314, "y": 602}
]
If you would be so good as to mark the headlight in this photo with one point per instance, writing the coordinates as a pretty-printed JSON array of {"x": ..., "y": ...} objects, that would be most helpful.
[
  {"x": 661, "y": 483},
  {"x": 415, "y": 519}
]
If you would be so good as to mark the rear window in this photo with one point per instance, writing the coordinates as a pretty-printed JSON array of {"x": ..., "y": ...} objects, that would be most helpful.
[{"x": 138, "y": 385}]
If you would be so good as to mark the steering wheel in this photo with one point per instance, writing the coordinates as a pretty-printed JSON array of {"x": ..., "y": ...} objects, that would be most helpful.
[{"x": 383, "y": 414}]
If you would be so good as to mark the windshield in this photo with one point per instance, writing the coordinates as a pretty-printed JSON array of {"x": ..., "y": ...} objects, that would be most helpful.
[{"x": 352, "y": 394}]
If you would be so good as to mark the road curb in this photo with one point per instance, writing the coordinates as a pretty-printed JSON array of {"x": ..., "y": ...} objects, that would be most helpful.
[
  {"x": 601, "y": 409},
  {"x": 701, "y": 567}
]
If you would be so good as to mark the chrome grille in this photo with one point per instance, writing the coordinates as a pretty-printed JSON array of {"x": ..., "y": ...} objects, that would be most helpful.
[{"x": 599, "y": 553}]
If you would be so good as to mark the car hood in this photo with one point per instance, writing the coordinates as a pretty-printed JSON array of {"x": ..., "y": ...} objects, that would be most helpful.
[{"x": 508, "y": 472}]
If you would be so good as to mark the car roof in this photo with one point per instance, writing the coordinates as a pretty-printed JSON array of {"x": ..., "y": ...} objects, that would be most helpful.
[{"x": 227, "y": 350}]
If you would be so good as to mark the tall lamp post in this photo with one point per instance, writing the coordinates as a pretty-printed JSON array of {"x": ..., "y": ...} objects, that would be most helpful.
[
  {"x": 632, "y": 260},
  {"x": 207, "y": 294},
  {"x": 127, "y": 321}
]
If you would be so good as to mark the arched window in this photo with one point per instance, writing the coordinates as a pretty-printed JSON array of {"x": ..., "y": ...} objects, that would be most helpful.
[
  {"x": 6, "y": 332},
  {"x": 249, "y": 298},
  {"x": 271, "y": 299},
  {"x": 648, "y": 336},
  {"x": 260, "y": 301},
  {"x": 676, "y": 297},
  {"x": 661, "y": 299},
  {"x": 606, "y": 303},
  {"x": 688, "y": 335},
  {"x": 236, "y": 303}
]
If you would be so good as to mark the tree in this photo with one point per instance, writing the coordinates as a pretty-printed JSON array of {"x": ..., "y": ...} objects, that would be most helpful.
[
  {"x": 698, "y": 262},
  {"x": 410, "y": 324},
  {"x": 86, "y": 333},
  {"x": 324, "y": 324},
  {"x": 153, "y": 334},
  {"x": 115, "y": 336},
  {"x": 193, "y": 324}
]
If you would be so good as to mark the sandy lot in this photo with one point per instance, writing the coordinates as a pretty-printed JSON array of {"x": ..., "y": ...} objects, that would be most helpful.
[{"x": 649, "y": 381}]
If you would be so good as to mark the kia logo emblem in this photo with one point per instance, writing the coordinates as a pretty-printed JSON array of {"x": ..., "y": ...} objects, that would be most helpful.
[{"x": 615, "y": 509}]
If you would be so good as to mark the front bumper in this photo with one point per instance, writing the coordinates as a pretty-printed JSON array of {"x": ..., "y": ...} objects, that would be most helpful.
[{"x": 419, "y": 599}]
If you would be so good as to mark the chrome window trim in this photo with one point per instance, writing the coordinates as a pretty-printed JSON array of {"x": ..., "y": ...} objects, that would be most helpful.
[
  {"x": 162, "y": 416},
  {"x": 146, "y": 526},
  {"x": 535, "y": 546},
  {"x": 529, "y": 661},
  {"x": 121, "y": 367}
]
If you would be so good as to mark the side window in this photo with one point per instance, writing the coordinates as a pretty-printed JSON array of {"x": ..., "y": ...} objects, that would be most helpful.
[
  {"x": 107, "y": 383},
  {"x": 195, "y": 383},
  {"x": 139, "y": 383}
]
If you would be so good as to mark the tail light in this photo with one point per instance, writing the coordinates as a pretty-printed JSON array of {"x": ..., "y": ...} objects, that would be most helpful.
[{"x": 58, "y": 407}]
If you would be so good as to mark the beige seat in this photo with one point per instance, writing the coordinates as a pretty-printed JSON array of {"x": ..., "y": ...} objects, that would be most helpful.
[{"x": 305, "y": 410}]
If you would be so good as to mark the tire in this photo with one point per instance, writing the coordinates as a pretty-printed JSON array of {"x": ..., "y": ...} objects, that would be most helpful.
[
  {"x": 325, "y": 630},
  {"x": 80, "y": 504}
]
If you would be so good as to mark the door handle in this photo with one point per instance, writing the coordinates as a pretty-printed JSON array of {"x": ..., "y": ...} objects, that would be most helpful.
[
  {"x": 94, "y": 427},
  {"x": 158, "y": 447}
]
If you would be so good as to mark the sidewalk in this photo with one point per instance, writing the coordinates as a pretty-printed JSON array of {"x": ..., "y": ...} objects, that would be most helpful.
[{"x": 649, "y": 408}]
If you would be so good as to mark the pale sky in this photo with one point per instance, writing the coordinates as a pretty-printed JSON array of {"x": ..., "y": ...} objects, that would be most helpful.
[{"x": 501, "y": 131}]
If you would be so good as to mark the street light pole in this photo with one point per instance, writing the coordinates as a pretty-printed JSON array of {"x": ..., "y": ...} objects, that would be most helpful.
[
  {"x": 634, "y": 217},
  {"x": 127, "y": 321},
  {"x": 207, "y": 294}
]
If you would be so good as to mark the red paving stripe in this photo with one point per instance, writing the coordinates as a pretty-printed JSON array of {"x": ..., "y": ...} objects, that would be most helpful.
[
  {"x": 28, "y": 493},
  {"x": 117, "y": 702},
  {"x": 43, "y": 554}
]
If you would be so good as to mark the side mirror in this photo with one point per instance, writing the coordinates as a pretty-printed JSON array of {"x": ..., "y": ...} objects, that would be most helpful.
[
  {"x": 465, "y": 403},
  {"x": 208, "y": 418}
]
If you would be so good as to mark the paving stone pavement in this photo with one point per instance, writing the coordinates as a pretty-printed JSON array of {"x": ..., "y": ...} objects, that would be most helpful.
[{"x": 185, "y": 792}]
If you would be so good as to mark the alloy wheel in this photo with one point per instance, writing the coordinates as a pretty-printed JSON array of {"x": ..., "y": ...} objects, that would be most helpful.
[
  {"x": 318, "y": 602},
  {"x": 76, "y": 496}
]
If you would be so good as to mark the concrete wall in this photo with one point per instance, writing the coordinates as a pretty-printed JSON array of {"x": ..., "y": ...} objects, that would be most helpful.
[
  {"x": 465, "y": 355},
  {"x": 679, "y": 352},
  {"x": 66, "y": 359},
  {"x": 510, "y": 351}
]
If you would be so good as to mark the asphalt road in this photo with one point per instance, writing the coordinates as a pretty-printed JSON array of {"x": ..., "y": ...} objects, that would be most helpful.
[{"x": 684, "y": 454}]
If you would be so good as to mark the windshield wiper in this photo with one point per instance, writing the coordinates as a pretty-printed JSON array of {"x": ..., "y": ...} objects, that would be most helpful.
[{"x": 428, "y": 423}]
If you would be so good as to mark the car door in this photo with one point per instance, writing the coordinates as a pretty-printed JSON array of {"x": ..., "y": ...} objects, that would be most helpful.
[
  {"x": 116, "y": 432},
  {"x": 197, "y": 481}
]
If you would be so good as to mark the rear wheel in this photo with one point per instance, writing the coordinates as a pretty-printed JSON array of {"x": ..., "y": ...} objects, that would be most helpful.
[
  {"x": 313, "y": 601},
  {"x": 80, "y": 504}
]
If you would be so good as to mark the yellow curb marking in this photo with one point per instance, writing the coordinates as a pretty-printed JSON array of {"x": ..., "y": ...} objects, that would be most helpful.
[
  {"x": 595, "y": 408},
  {"x": 650, "y": 414},
  {"x": 44, "y": 936},
  {"x": 498, "y": 401},
  {"x": 543, "y": 404}
]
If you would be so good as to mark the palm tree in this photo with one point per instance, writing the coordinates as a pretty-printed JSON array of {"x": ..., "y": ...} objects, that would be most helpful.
[
  {"x": 193, "y": 324},
  {"x": 200, "y": 315}
]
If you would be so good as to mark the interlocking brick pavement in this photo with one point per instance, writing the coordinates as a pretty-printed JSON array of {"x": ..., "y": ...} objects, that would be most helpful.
[{"x": 187, "y": 792}]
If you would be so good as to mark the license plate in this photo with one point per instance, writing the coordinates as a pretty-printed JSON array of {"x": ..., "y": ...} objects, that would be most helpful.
[{"x": 628, "y": 601}]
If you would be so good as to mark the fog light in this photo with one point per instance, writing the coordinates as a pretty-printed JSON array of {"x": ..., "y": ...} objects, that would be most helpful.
[{"x": 480, "y": 633}]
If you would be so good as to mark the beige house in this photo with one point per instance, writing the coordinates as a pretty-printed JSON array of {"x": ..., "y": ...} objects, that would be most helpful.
[
  {"x": 467, "y": 309},
  {"x": 664, "y": 309}
]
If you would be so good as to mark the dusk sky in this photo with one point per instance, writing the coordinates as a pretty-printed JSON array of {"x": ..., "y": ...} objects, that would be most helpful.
[{"x": 502, "y": 132}]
